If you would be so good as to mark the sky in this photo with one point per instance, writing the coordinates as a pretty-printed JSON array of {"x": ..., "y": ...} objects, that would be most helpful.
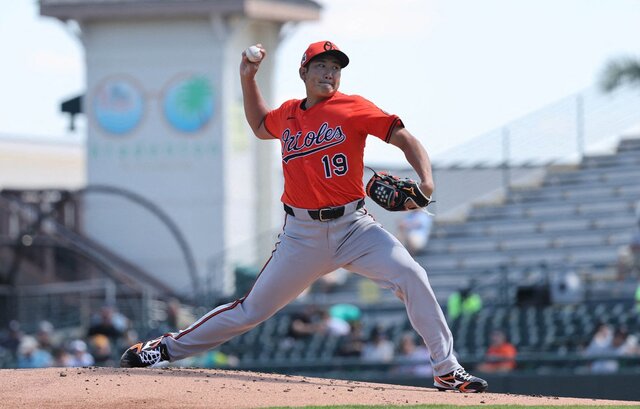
[{"x": 451, "y": 69}]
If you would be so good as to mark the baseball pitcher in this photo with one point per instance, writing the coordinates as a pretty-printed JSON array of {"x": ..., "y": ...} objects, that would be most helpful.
[{"x": 326, "y": 224}]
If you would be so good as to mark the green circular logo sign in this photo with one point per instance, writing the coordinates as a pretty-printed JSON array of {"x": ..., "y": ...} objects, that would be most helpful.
[{"x": 188, "y": 103}]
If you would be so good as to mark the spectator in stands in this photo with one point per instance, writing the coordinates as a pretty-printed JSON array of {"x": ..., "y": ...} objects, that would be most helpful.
[
  {"x": 101, "y": 350},
  {"x": 601, "y": 345},
  {"x": 331, "y": 325},
  {"x": 624, "y": 263},
  {"x": 501, "y": 354},
  {"x": 624, "y": 344},
  {"x": 415, "y": 357},
  {"x": 463, "y": 302},
  {"x": 628, "y": 264},
  {"x": 312, "y": 321},
  {"x": 30, "y": 355},
  {"x": 45, "y": 335},
  {"x": 217, "y": 359},
  {"x": 353, "y": 343},
  {"x": 303, "y": 323},
  {"x": 109, "y": 322},
  {"x": 378, "y": 348},
  {"x": 129, "y": 337},
  {"x": 621, "y": 345},
  {"x": 79, "y": 354},
  {"x": 630, "y": 347},
  {"x": 601, "y": 338},
  {"x": 12, "y": 338},
  {"x": 176, "y": 317},
  {"x": 173, "y": 315},
  {"x": 637, "y": 297},
  {"x": 414, "y": 230},
  {"x": 348, "y": 312},
  {"x": 61, "y": 358},
  {"x": 566, "y": 287}
]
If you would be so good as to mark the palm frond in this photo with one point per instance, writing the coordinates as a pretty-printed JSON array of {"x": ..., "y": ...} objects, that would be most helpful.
[{"x": 620, "y": 71}]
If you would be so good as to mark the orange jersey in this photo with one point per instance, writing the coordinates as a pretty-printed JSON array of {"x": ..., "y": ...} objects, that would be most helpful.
[
  {"x": 505, "y": 354},
  {"x": 323, "y": 148}
]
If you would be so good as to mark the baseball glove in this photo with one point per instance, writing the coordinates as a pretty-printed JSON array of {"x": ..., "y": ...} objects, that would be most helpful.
[{"x": 394, "y": 193}]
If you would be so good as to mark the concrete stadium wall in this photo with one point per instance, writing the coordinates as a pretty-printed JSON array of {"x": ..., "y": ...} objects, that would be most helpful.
[{"x": 612, "y": 386}]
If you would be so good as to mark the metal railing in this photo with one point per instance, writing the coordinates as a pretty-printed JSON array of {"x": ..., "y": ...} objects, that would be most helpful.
[
  {"x": 65, "y": 304},
  {"x": 562, "y": 131},
  {"x": 525, "y": 362}
]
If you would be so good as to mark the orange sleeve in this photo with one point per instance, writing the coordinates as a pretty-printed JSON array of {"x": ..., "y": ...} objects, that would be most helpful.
[
  {"x": 275, "y": 120},
  {"x": 374, "y": 120}
]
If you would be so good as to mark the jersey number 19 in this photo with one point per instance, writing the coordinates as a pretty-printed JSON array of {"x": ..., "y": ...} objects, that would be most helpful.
[{"x": 337, "y": 165}]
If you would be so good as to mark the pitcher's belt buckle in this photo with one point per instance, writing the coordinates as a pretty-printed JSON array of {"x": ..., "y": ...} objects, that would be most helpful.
[{"x": 330, "y": 215}]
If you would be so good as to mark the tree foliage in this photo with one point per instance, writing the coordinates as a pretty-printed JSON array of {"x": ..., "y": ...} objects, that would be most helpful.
[{"x": 620, "y": 71}]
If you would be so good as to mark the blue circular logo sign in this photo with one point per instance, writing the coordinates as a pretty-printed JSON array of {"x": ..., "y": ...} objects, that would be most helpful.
[
  {"x": 118, "y": 106},
  {"x": 188, "y": 103}
]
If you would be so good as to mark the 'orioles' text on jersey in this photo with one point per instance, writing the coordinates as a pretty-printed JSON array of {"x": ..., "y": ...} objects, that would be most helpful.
[{"x": 323, "y": 148}]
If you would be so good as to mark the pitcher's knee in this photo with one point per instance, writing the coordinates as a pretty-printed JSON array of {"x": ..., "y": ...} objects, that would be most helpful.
[
  {"x": 414, "y": 278},
  {"x": 256, "y": 316}
]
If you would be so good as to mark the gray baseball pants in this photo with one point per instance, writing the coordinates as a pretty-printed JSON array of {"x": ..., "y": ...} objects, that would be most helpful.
[{"x": 307, "y": 250}]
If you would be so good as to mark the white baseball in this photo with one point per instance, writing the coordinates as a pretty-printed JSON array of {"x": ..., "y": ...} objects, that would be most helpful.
[{"x": 253, "y": 53}]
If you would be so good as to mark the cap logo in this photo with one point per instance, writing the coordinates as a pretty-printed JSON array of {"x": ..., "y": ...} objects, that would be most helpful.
[
  {"x": 304, "y": 59},
  {"x": 328, "y": 46}
]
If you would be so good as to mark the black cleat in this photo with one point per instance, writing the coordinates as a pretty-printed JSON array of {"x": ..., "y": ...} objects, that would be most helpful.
[
  {"x": 145, "y": 354},
  {"x": 459, "y": 380}
]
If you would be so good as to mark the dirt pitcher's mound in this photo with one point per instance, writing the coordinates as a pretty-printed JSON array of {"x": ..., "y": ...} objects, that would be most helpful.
[{"x": 182, "y": 388}]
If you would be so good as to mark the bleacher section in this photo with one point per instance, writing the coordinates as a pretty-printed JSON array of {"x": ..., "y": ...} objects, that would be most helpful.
[
  {"x": 269, "y": 342},
  {"x": 538, "y": 332},
  {"x": 558, "y": 329},
  {"x": 576, "y": 219}
]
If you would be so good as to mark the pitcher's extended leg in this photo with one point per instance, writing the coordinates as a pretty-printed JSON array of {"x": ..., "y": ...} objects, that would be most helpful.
[
  {"x": 282, "y": 279},
  {"x": 376, "y": 254},
  {"x": 293, "y": 266}
]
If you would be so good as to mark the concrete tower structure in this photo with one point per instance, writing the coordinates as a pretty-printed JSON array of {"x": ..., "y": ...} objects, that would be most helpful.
[{"x": 165, "y": 120}]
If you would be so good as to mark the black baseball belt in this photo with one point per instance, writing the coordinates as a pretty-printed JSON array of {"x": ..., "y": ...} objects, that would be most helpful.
[{"x": 325, "y": 214}]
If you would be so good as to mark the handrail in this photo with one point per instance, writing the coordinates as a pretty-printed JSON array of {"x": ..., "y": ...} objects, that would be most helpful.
[
  {"x": 160, "y": 214},
  {"x": 82, "y": 246}
]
